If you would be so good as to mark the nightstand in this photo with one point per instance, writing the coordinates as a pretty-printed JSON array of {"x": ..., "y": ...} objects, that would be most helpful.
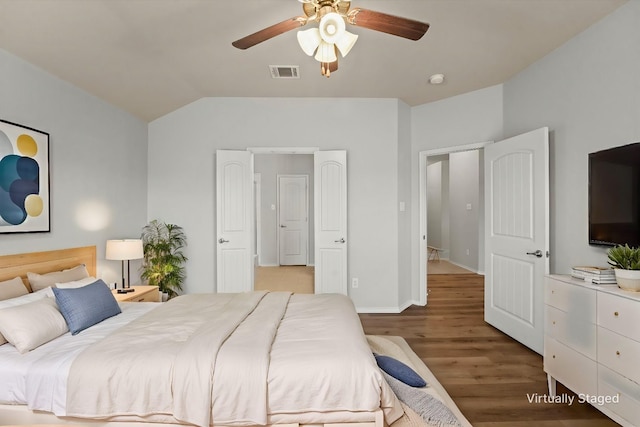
[{"x": 141, "y": 294}]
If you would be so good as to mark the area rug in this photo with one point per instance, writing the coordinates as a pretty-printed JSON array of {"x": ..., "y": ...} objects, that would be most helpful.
[{"x": 398, "y": 348}]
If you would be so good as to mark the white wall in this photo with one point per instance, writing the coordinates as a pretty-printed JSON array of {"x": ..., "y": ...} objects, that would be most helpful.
[
  {"x": 270, "y": 166},
  {"x": 181, "y": 180},
  {"x": 434, "y": 205},
  {"x": 97, "y": 158},
  {"x": 588, "y": 93},
  {"x": 460, "y": 120},
  {"x": 404, "y": 216},
  {"x": 464, "y": 208}
]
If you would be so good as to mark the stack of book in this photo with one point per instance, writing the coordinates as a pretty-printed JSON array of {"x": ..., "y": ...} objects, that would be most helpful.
[{"x": 595, "y": 275}]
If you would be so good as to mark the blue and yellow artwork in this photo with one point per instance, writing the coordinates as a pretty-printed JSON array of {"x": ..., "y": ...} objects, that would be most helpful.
[{"x": 24, "y": 179}]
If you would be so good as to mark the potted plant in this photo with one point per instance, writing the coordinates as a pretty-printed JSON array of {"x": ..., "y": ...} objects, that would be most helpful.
[
  {"x": 162, "y": 266},
  {"x": 626, "y": 262}
]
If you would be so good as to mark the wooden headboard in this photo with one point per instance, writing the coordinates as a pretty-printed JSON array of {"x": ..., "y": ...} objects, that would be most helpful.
[{"x": 45, "y": 262}]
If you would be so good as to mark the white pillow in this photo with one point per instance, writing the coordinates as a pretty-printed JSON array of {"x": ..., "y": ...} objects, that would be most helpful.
[
  {"x": 14, "y": 302},
  {"x": 30, "y": 325},
  {"x": 41, "y": 281},
  {"x": 12, "y": 289},
  {"x": 76, "y": 283}
]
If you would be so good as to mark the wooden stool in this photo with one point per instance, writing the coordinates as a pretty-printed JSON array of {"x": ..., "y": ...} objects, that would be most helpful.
[{"x": 434, "y": 253}]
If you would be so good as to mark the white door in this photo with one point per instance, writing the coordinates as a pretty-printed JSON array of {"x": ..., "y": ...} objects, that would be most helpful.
[
  {"x": 234, "y": 220},
  {"x": 293, "y": 219},
  {"x": 517, "y": 235},
  {"x": 330, "y": 210}
]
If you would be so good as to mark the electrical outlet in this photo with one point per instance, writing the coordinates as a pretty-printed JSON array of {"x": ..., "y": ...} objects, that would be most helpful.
[
  {"x": 467, "y": 251},
  {"x": 354, "y": 282}
]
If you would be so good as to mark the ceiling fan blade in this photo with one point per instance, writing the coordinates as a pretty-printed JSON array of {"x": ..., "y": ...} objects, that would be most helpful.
[
  {"x": 269, "y": 32},
  {"x": 395, "y": 25}
]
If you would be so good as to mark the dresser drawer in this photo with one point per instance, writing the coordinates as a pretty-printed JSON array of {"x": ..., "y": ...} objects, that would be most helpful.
[
  {"x": 619, "y": 353},
  {"x": 619, "y": 314},
  {"x": 579, "y": 301},
  {"x": 573, "y": 369},
  {"x": 628, "y": 392},
  {"x": 571, "y": 330}
]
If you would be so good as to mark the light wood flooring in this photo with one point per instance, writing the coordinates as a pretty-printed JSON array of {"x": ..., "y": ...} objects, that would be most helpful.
[
  {"x": 292, "y": 278},
  {"x": 487, "y": 373},
  {"x": 445, "y": 267}
]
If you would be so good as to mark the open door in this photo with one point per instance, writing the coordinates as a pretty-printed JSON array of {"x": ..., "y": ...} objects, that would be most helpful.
[
  {"x": 517, "y": 235},
  {"x": 234, "y": 220},
  {"x": 330, "y": 204}
]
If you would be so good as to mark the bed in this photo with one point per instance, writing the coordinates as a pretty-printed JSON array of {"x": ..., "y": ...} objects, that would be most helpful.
[{"x": 256, "y": 358}]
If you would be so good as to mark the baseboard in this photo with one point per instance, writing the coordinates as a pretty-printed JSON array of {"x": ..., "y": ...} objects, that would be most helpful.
[
  {"x": 269, "y": 265},
  {"x": 387, "y": 310},
  {"x": 464, "y": 266}
]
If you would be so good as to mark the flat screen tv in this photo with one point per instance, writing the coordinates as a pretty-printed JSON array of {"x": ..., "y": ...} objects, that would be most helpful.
[{"x": 614, "y": 196}]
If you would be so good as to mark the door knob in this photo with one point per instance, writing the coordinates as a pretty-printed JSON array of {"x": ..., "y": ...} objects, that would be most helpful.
[
  {"x": 221, "y": 240},
  {"x": 340, "y": 241},
  {"x": 537, "y": 253}
]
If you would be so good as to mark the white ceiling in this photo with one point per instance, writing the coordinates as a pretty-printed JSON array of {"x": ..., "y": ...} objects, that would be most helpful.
[{"x": 151, "y": 57}]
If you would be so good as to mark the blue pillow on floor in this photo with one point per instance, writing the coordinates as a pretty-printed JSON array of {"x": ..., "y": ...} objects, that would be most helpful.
[{"x": 399, "y": 371}]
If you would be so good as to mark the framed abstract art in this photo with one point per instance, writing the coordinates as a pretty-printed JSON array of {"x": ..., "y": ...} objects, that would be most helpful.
[{"x": 24, "y": 179}]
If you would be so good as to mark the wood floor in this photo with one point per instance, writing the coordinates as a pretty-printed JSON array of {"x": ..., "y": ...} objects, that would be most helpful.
[
  {"x": 486, "y": 373},
  {"x": 293, "y": 278}
]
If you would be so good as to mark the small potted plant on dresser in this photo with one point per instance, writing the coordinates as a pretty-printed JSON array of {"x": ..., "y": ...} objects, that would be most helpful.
[
  {"x": 626, "y": 263},
  {"x": 163, "y": 263}
]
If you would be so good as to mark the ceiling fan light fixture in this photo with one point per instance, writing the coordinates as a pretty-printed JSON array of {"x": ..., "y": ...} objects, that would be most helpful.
[
  {"x": 346, "y": 42},
  {"x": 326, "y": 53},
  {"x": 309, "y": 40},
  {"x": 332, "y": 27}
]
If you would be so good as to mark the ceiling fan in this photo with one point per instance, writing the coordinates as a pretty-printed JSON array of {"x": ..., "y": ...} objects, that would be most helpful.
[{"x": 331, "y": 36}]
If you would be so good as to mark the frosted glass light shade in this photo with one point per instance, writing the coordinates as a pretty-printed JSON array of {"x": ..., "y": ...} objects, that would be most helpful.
[
  {"x": 326, "y": 52},
  {"x": 125, "y": 249},
  {"x": 346, "y": 42},
  {"x": 309, "y": 40},
  {"x": 332, "y": 27}
]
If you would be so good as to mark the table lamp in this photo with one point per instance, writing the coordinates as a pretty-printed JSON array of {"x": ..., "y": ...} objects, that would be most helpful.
[{"x": 125, "y": 250}]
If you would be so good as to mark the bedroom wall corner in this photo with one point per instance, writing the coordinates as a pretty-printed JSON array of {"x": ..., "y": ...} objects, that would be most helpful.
[
  {"x": 586, "y": 92},
  {"x": 97, "y": 159}
]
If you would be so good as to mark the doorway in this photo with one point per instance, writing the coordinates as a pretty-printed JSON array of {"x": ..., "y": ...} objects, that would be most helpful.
[
  {"x": 284, "y": 222},
  {"x": 454, "y": 178}
]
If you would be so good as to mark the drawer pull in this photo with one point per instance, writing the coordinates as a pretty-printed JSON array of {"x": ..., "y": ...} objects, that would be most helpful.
[
  {"x": 615, "y": 313},
  {"x": 617, "y": 353},
  {"x": 554, "y": 356},
  {"x": 554, "y": 322}
]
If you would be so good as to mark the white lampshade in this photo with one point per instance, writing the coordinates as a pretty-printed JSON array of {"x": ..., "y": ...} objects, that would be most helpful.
[
  {"x": 331, "y": 27},
  {"x": 326, "y": 53},
  {"x": 124, "y": 249},
  {"x": 309, "y": 40},
  {"x": 346, "y": 42}
]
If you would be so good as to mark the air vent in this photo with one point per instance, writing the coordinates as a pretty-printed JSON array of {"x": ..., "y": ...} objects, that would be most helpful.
[{"x": 285, "y": 71}]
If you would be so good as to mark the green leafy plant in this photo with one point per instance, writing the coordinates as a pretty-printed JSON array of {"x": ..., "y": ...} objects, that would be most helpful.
[
  {"x": 163, "y": 264},
  {"x": 624, "y": 257}
]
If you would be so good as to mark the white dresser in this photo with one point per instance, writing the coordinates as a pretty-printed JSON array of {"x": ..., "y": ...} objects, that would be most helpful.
[{"x": 592, "y": 345}]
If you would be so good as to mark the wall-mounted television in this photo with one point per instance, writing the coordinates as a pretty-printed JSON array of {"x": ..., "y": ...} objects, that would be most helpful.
[{"x": 614, "y": 196}]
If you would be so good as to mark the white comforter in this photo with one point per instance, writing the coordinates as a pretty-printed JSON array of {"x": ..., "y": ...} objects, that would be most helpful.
[{"x": 233, "y": 359}]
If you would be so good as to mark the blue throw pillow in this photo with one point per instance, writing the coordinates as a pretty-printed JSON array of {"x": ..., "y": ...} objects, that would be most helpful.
[
  {"x": 399, "y": 371},
  {"x": 84, "y": 307}
]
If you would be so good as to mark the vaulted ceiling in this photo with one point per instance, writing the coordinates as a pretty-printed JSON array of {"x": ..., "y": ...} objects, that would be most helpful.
[{"x": 150, "y": 57}]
